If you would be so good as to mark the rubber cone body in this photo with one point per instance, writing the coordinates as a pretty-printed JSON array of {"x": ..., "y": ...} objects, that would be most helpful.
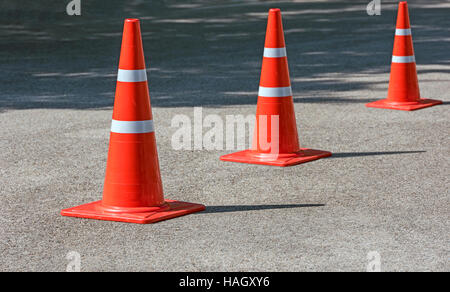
[
  {"x": 133, "y": 189},
  {"x": 275, "y": 140},
  {"x": 403, "y": 92}
]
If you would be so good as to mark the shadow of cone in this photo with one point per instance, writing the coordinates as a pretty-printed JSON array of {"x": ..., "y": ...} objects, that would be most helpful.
[
  {"x": 403, "y": 92},
  {"x": 133, "y": 189},
  {"x": 275, "y": 140}
]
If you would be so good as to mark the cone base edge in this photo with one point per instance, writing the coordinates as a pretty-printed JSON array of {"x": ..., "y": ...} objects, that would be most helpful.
[
  {"x": 407, "y": 106},
  {"x": 92, "y": 211},
  {"x": 305, "y": 155}
]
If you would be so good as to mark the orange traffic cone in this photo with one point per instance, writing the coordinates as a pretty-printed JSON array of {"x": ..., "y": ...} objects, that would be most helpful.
[
  {"x": 275, "y": 116},
  {"x": 133, "y": 189},
  {"x": 403, "y": 92}
]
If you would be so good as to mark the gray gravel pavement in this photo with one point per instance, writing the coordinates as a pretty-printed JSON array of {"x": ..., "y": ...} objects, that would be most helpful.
[{"x": 385, "y": 189}]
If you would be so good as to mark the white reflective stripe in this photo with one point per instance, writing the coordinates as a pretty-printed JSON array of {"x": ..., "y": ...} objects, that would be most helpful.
[
  {"x": 132, "y": 127},
  {"x": 400, "y": 31},
  {"x": 274, "y": 52},
  {"x": 403, "y": 59},
  {"x": 131, "y": 75},
  {"x": 275, "y": 91}
]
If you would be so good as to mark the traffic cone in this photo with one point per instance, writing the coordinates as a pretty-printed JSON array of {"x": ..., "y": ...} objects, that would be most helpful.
[
  {"x": 133, "y": 190},
  {"x": 275, "y": 140},
  {"x": 403, "y": 92}
]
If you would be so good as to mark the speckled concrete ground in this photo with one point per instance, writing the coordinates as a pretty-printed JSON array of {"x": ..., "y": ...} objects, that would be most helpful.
[{"x": 385, "y": 189}]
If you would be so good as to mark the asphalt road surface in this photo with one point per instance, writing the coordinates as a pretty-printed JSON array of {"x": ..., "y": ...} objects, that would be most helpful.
[{"x": 384, "y": 190}]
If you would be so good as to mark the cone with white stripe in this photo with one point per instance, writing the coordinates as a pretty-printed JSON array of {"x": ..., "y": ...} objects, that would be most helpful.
[
  {"x": 275, "y": 140},
  {"x": 403, "y": 92},
  {"x": 133, "y": 189}
]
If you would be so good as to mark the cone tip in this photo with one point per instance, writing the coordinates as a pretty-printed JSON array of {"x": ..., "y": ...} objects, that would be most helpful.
[
  {"x": 403, "y": 3},
  {"x": 274, "y": 10},
  {"x": 131, "y": 20}
]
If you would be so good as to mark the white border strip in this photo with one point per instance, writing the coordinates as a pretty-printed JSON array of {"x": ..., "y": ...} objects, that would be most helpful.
[
  {"x": 274, "y": 52},
  {"x": 399, "y": 31},
  {"x": 403, "y": 59},
  {"x": 132, "y": 127},
  {"x": 132, "y": 75},
  {"x": 275, "y": 91}
]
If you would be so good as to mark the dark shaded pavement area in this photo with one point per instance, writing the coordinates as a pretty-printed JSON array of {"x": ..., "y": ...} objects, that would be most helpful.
[{"x": 203, "y": 53}]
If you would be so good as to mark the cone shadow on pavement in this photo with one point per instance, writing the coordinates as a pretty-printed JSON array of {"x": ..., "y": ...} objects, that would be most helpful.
[
  {"x": 358, "y": 154},
  {"x": 243, "y": 208}
]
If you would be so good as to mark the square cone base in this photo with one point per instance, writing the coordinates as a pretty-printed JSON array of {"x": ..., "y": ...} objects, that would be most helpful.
[
  {"x": 283, "y": 160},
  {"x": 404, "y": 106},
  {"x": 173, "y": 209}
]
